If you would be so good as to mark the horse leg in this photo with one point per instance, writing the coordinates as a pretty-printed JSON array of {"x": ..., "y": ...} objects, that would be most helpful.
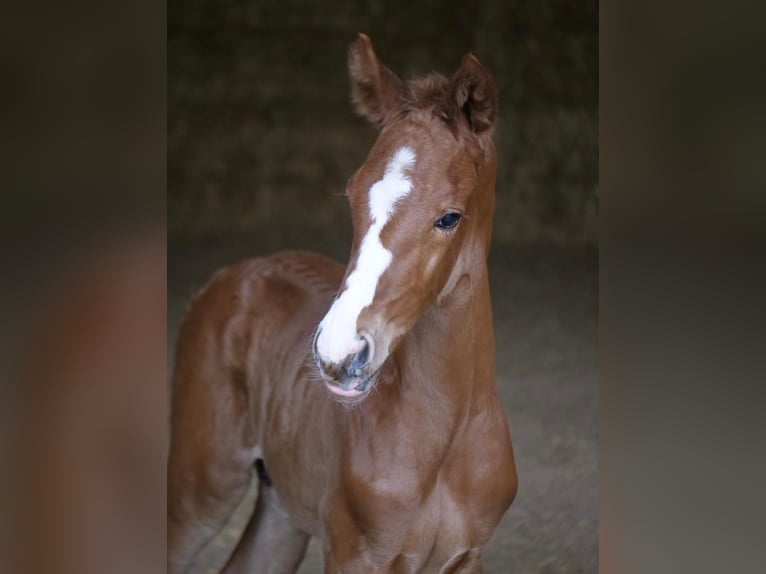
[
  {"x": 271, "y": 543},
  {"x": 210, "y": 462},
  {"x": 468, "y": 562}
]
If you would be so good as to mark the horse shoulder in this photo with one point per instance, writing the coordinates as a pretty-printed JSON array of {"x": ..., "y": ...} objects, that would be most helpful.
[{"x": 482, "y": 471}]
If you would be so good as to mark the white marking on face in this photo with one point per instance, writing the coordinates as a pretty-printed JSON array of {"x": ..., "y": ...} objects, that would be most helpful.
[{"x": 338, "y": 338}]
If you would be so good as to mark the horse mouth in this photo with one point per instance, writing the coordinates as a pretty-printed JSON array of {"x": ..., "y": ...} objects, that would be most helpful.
[
  {"x": 346, "y": 393},
  {"x": 353, "y": 388}
]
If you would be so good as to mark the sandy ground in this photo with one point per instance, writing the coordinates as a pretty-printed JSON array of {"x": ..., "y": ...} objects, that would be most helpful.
[{"x": 545, "y": 310}]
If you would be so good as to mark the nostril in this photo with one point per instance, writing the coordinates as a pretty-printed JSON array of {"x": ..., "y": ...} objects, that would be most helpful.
[
  {"x": 359, "y": 359},
  {"x": 363, "y": 356}
]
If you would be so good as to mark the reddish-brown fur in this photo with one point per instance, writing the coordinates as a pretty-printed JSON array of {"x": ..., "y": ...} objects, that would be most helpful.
[{"x": 414, "y": 476}]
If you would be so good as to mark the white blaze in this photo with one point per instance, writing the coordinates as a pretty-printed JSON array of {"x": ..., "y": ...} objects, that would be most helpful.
[{"x": 338, "y": 338}]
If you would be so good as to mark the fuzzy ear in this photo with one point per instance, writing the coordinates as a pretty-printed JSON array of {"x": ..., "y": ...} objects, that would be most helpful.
[
  {"x": 473, "y": 91},
  {"x": 375, "y": 90}
]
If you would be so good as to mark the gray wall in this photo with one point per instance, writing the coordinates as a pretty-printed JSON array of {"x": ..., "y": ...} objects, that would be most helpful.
[{"x": 261, "y": 130}]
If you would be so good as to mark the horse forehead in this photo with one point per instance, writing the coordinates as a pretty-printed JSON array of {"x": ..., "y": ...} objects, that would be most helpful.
[
  {"x": 442, "y": 175},
  {"x": 430, "y": 141},
  {"x": 442, "y": 170},
  {"x": 433, "y": 164}
]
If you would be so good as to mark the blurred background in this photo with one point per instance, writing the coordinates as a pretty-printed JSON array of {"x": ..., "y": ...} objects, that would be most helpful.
[{"x": 262, "y": 137}]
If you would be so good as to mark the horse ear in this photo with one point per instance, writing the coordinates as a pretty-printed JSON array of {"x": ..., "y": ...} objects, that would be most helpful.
[
  {"x": 473, "y": 91},
  {"x": 375, "y": 90}
]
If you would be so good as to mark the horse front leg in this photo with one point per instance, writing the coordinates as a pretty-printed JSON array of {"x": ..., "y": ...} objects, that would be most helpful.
[
  {"x": 467, "y": 562},
  {"x": 271, "y": 543},
  {"x": 211, "y": 457}
]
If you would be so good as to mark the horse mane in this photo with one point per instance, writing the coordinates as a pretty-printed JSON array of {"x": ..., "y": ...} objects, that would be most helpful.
[
  {"x": 430, "y": 96},
  {"x": 427, "y": 93}
]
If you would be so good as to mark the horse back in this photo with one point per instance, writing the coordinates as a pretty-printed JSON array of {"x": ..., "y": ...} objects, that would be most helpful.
[{"x": 248, "y": 333}]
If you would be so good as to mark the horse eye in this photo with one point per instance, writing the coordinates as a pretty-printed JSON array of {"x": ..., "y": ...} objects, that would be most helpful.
[{"x": 447, "y": 221}]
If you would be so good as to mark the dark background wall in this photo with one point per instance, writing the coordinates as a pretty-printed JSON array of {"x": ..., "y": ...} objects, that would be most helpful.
[{"x": 260, "y": 126}]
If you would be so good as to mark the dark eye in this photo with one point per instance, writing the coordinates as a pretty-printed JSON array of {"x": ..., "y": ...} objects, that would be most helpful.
[{"x": 447, "y": 221}]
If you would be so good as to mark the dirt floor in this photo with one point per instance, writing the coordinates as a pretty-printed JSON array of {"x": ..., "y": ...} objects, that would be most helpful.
[{"x": 545, "y": 309}]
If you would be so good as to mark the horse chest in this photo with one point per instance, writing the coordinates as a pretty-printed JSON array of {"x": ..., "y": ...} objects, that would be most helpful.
[
  {"x": 402, "y": 532},
  {"x": 422, "y": 513}
]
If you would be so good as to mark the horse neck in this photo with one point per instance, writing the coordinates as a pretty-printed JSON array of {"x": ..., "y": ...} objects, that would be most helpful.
[{"x": 444, "y": 368}]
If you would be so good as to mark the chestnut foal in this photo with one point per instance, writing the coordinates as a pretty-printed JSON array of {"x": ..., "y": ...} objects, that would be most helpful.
[{"x": 399, "y": 459}]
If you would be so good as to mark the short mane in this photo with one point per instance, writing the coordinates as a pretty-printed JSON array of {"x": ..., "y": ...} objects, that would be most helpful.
[{"x": 427, "y": 92}]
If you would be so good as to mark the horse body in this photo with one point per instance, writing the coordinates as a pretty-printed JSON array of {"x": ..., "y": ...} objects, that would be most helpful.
[{"x": 406, "y": 464}]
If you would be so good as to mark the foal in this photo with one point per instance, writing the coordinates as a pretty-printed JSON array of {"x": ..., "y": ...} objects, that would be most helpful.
[{"x": 399, "y": 459}]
